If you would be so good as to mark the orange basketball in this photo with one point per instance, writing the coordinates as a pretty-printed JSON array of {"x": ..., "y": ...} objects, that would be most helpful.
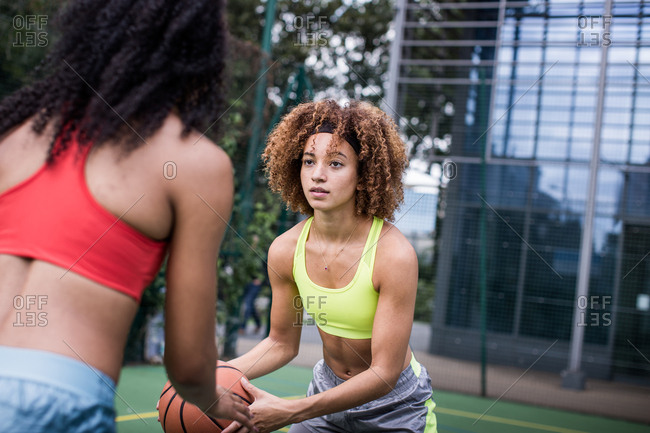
[{"x": 178, "y": 416}]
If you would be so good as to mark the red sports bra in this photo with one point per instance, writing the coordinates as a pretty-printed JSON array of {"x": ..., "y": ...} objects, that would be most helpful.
[{"x": 52, "y": 216}]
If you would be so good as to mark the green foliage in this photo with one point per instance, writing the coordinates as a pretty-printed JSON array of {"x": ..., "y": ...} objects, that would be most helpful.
[
  {"x": 243, "y": 257},
  {"x": 426, "y": 292},
  {"x": 25, "y": 35},
  {"x": 424, "y": 300},
  {"x": 244, "y": 252},
  {"x": 152, "y": 301},
  {"x": 343, "y": 44}
]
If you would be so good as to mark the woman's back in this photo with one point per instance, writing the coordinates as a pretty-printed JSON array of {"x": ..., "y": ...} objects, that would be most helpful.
[{"x": 51, "y": 307}]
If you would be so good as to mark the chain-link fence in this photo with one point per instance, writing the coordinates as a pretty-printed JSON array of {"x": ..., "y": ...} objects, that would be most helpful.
[{"x": 512, "y": 106}]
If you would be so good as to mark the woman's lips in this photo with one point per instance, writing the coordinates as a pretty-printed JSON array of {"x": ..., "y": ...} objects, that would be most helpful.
[{"x": 318, "y": 192}]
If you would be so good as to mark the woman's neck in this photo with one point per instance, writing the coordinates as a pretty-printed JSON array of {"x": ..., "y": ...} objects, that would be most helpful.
[{"x": 337, "y": 228}]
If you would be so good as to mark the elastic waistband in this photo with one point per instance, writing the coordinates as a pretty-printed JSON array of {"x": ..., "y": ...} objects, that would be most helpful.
[{"x": 56, "y": 370}]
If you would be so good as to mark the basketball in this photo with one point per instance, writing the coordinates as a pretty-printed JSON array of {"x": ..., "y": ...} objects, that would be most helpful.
[{"x": 178, "y": 416}]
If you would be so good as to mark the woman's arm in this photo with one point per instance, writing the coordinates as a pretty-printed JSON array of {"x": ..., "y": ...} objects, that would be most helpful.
[
  {"x": 282, "y": 344},
  {"x": 396, "y": 274},
  {"x": 201, "y": 196}
]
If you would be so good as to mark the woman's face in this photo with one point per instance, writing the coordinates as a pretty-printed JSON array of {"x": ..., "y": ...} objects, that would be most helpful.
[{"x": 329, "y": 180}]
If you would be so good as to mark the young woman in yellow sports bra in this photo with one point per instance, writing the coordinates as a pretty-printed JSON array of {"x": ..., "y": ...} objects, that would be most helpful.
[{"x": 350, "y": 269}]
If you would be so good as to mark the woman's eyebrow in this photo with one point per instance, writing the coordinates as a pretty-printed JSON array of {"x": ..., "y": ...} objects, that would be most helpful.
[{"x": 333, "y": 153}]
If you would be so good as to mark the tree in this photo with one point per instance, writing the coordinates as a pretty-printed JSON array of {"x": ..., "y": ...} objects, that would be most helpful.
[
  {"x": 344, "y": 44},
  {"x": 25, "y": 36}
]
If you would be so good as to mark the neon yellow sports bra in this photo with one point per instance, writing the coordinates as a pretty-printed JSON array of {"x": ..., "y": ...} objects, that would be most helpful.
[{"x": 347, "y": 312}]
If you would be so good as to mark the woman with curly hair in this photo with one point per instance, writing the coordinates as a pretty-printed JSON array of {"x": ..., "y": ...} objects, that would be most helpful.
[
  {"x": 104, "y": 170},
  {"x": 350, "y": 269}
]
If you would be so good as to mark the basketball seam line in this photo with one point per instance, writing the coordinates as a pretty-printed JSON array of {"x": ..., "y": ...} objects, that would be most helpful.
[
  {"x": 180, "y": 413},
  {"x": 164, "y": 424}
]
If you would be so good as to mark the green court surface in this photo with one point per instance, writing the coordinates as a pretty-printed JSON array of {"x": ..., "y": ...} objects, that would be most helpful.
[{"x": 140, "y": 387}]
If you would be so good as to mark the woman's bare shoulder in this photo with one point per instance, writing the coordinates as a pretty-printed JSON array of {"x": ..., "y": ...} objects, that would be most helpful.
[
  {"x": 194, "y": 147},
  {"x": 394, "y": 247},
  {"x": 189, "y": 162}
]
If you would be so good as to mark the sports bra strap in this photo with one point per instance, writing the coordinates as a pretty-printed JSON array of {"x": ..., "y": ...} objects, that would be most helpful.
[{"x": 371, "y": 243}]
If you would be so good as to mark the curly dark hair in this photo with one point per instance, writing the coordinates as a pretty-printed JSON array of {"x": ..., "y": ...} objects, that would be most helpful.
[
  {"x": 382, "y": 154},
  {"x": 121, "y": 66}
]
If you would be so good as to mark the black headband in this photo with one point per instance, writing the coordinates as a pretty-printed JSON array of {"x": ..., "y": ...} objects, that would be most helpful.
[{"x": 329, "y": 128}]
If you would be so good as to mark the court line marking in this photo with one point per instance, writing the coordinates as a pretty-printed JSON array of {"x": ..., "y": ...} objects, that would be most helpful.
[
  {"x": 135, "y": 416},
  {"x": 438, "y": 409},
  {"x": 508, "y": 421}
]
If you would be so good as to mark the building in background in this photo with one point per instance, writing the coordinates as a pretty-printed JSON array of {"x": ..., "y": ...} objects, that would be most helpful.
[
  {"x": 543, "y": 110},
  {"x": 413, "y": 218}
]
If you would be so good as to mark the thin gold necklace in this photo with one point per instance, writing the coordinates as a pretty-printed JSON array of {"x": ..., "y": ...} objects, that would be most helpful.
[{"x": 340, "y": 251}]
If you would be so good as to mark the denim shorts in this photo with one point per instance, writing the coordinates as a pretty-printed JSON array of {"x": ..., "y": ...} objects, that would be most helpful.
[
  {"x": 408, "y": 408},
  {"x": 43, "y": 392}
]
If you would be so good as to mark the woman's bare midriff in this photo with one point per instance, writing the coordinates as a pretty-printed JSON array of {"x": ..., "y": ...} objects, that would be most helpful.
[{"x": 347, "y": 357}]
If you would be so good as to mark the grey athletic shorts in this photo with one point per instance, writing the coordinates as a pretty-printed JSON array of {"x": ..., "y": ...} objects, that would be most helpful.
[{"x": 408, "y": 408}]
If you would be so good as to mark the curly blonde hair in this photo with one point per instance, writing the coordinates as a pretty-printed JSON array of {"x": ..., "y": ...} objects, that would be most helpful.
[{"x": 382, "y": 155}]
